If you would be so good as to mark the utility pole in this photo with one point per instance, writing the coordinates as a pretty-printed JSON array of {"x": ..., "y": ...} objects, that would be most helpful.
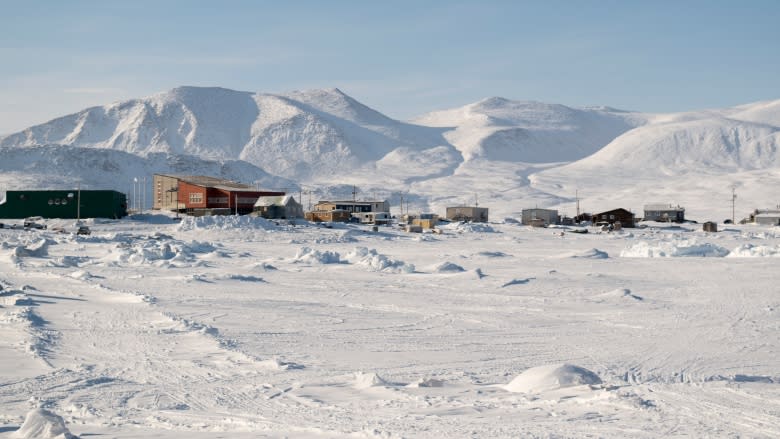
[
  {"x": 78, "y": 204},
  {"x": 476, "y": 200},
  {"x": 354, "y": 193},
  {"x": 733, "y": 202},
  {"x": 577, "y": 197}
]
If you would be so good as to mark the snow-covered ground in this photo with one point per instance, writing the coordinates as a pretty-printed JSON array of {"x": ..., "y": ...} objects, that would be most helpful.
[{"x": 240, "y": 327}]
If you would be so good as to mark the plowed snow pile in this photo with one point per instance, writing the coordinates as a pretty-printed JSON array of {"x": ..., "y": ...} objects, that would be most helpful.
[
  {"x": 755, "y": 251},
  {"x": 225, "y": 222},
  {"x": 674, "y": 249},
  {"x": 557, "y": 376},
  {"x": 375, "y": 261},
  {"x": 43, "y": 424}
]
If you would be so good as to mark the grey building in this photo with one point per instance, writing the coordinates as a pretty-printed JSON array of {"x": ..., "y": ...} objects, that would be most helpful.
[
  {"x": 278, "y": 207},
  {"x": 664, "y": 213},
  {"x": 766, "y": 217},
  {"x": 539, "y": 217},
  {"x": 467, "y": 213}
]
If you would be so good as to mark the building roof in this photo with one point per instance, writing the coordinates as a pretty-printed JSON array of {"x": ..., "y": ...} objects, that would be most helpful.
[
  {"x": 540, "y": 210},
  {"x": 274, "y": 200},
  {"x": 775, "y": 214},
  {"x": 351, "y": 202},
  {"x": 664, "y": 207},
  {"x": 206, "y": 181}
]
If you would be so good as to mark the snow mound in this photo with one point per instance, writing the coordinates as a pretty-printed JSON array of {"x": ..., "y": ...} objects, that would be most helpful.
[
  {"x": 674, "y": 249},
  {"x": 375, "y": 261},
  {"x": 426, "y": 382},
  {"x": 366, "y": 380},
  {"x": 311, "y": 256},
  {"x": 447, "y": 267},
  {"x": 43, "y": 424},
  {"x": 592, "y": 253},
  {"x": 469, "y": 228},
  {"x": 755, "y": 251},
  {"x": 160, "y": 252},
  {"x": 37, "y": 249},
  {"x": 552, "y": 377},
  {"x": 225, "y": 222}
]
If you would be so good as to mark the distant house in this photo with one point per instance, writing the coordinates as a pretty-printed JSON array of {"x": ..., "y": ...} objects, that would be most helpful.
[
  {"x": 424, "y": 220},
  {"x": 664, "y": 213},
  {"x": 625, "y": 217},
  {"x": 467, "y": 213},
  {"x": 766, "y": 217},
  {"x": 278, "y": 207},
  {"x": 539, "y": 217},
  {"x": 328, "y": 216},
  {"x": 203, "y": 195},
  {"x": 353, "y": 206},
  {"x": 378, "y": 218}
]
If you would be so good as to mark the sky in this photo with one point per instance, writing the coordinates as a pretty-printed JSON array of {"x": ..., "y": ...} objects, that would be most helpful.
[{"x": 403, "y": 58}]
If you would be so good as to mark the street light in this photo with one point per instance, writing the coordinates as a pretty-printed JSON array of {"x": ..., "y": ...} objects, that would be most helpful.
[{"x": 170, "y": 195}]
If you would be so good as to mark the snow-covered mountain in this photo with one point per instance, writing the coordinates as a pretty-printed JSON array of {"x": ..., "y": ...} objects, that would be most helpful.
[
  {"x": 301, "y": 135},
  {"x": 511, "y": 154},
  {"x": 516, "y": 131}
]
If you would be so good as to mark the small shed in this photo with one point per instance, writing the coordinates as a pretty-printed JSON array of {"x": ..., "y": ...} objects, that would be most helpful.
[
  {"x": 278, "y": 207},
  {"x": 710, "y": 226},
  {"x": 532, "y": 217},
  {"x": 333, "y": 216}
]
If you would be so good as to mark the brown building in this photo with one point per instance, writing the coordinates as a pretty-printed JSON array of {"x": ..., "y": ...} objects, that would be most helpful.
[
  {"x": 467, "y": 213},
  {"x": 202, "y": 195},
  {"x": 625, "y": 217},
  {"x": 332, "y": 216}
]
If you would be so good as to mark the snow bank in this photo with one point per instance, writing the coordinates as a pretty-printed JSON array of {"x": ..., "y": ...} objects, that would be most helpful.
[
  {"x": 36, "y": 249},
  {"x": 673, "y": 249},
  {"x": 468, "y": 227},
  {"x": 225, "y": 222},
  {"x": 311, "y": 256},
  {"x": 43, "y": 424},
  {"x": 755, "y": 251},
  {"x": 366, "y": 380},
  {"x": 592, "y": 253},
  {"x": 160, "y": 252},
  {"x": 552, "y": 377},
  {"x": 375, "y": 261},
  {"x": 446, "y": 267}
]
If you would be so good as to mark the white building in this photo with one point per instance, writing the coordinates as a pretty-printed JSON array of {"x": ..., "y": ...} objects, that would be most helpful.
[{"x": 535, "y": 216}]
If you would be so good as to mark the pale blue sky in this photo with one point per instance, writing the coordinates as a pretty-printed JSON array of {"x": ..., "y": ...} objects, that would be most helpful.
[{"x": 403, "y": 58}]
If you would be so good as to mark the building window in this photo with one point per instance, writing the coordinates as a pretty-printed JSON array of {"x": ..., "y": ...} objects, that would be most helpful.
[
  {"x": 64, "y": 201},
  {"x": 612, "y": 217},
  {"x": 51, "y": 201},
  {"x": 196, "y": 198}
]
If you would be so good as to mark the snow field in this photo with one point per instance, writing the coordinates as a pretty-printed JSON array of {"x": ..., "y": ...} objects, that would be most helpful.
[{"x": 501, "y": 331}]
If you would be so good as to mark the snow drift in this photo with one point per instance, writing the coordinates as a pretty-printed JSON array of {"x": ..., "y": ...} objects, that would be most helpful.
[{"x": 553, "y": 377}]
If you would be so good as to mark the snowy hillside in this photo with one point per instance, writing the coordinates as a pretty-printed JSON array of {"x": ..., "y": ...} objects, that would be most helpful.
[
  {"x": 58, "y": 166},
  {"x": 684, "y": 158},
  {"x": 504, "y": 130}
]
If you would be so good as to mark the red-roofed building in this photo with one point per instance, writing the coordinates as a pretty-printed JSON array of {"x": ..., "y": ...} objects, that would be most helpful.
[{"x": 202, "y": 195}]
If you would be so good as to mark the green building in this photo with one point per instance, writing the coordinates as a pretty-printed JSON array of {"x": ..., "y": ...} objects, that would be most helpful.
[{"x": 63, "y": 204}]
